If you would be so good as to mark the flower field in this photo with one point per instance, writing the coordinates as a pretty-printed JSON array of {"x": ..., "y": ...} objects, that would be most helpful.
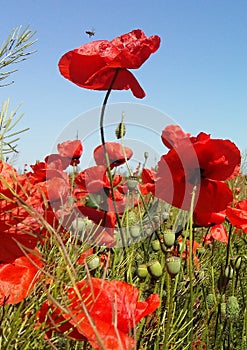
[{"x": 97, "y": 258}]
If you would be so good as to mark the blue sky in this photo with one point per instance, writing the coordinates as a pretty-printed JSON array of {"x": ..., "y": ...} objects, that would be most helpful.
[{"x": 198, "y": 77}]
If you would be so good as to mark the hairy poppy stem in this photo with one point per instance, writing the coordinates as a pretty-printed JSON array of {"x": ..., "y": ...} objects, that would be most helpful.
[{"x": 102, "y": 134}]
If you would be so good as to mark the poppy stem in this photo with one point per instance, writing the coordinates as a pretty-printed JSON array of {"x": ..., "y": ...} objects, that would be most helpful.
[{"x": 102, "y": 134}]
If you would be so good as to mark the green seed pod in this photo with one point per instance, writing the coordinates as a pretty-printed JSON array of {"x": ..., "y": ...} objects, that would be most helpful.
[
  {"x": 210, "y": 300},
  {"x": 232, "y": 308},
  {"x": 135, "y": 231},
  {"x": 78, "y": 225},
  {"x": 169, "y": 238},
  {"x": 155, "y": 245},
  {"x": 156, "y": 219},
  {"x": 185, "y": 233},
  {"x": 132, "y": 184},
  {"x": 142, "y": 271},
  {"x": 93, "y": 261},
  {"x": 229, "y": 272},
  {"x": 173, "y": 265},
  {"x": 155, "y": 269}
]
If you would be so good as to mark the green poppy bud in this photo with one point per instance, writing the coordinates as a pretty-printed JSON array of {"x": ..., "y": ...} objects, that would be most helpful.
[
  {"x": 142, "y": 271},
  {"x": 120, "y": 130},
  {"x": 169, "y": 238},
  {"x": 146, "y": 155},
  {"x": 155, "y": 269},
  {"x": 173, "y": 265},
  {"x": 155, "y": 245},
  {"x": 232, "y": 308},
  {"x": 237, "y": 263},
  {"x": 229, "y": 272},
  {"x": 93, "y": 261}
]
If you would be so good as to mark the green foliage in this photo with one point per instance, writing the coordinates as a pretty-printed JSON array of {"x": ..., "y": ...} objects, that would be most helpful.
[
  {"x": 14, "y": 50},
  {"x": 8, "y": 136}
]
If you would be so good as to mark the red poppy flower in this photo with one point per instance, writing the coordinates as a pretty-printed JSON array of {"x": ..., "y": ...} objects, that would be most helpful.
[
  {"x": 218, "y": 233},
  {"x": 149, "y": 178},
  {"x": 99, "y": 217},
  {"x": 93, "y": 65},
  {"x": 52, "y": 317},
  {"x": 238, "y": 215},
  {"x": 117, "y": 154},
  {"x": 72, "y": 150},
  {"x": 113, "y": 307},
  {"x": 204, "y": 163},
  {"x": 205, "y": 219},
  {"x": 20, "y": 206},
  {"x": 93, "y": 179},
  {"x": 172, "y": 135},
  {"x": 18, "y": 278}
]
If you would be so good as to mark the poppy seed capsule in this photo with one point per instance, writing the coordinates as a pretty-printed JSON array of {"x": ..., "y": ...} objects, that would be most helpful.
[
  {"x": 169, "y": 238},
  {"x": 135, "y": 231},
  {"x": 93, "y": 262},
  {"x": 155, "y": 245},
  {"x": 78, "y": 225},
  {"x": 132, "y": 184},
  {"x": 173, "y": 265},
  {"x": 142, "y": 271},
  {"x": 155, "y": 269}
]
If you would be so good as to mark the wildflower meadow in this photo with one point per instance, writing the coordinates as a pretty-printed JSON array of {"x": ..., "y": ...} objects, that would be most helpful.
[{"x": 97, "y": 257}]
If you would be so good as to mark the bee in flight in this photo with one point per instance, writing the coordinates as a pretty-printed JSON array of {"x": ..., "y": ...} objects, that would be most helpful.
[{"x": 90, "y": 33}]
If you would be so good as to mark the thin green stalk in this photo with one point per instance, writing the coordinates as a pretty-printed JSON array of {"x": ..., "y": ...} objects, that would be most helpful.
[
  {"x": 191, "y": 304},
  {"x": 102, "y": 134}
]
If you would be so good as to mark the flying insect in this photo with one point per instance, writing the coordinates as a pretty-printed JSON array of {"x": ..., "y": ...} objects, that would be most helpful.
[{"x": 90, "y": 33}]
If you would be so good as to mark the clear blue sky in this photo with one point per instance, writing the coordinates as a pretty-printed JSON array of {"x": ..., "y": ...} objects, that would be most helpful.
[{"x": 198, "y": 76}]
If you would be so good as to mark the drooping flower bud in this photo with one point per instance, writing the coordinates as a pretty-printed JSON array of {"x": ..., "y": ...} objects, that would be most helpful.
[{"x": 121, "y": 129}]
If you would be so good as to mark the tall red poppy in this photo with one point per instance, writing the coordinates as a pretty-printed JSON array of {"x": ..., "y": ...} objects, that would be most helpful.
[
  {"x": 218, "y": 233},
  {"x": 20, "y": 206},
  {"x": 117, "y": 154},
  {"x": 18, "y": 278},
  {"x": 93, "y": 65},
  {"x": 114, "y": 309},
  {"x": 202, "y": 162},
  {"x": 71, "y": 149}
]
